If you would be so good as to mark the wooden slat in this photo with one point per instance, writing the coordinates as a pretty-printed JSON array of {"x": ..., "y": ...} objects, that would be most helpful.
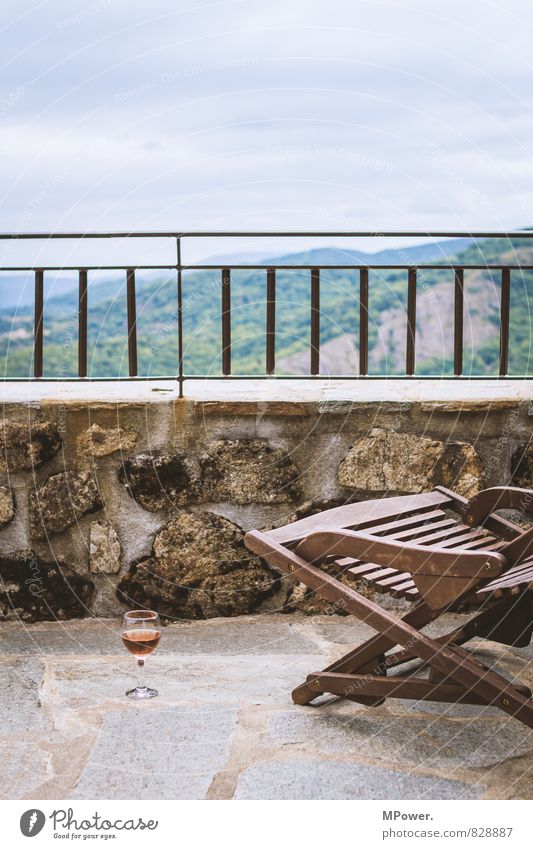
[
  {"x": 517, "y": 584},
  {"x": 448, "y": 538},
  {"x": 399, "y": 578},
  {"x": 347, "y": 561},
  {"x": 439, "y": 530},
  {"x": 466, "y": 539},
  {"x": 361, "y": 515},
  {"x": 416, "y": 520},
  {"x": 514, "y": 577},
  {"x": 380, "y": 574},
  {"x": 398, "y": 589},
  {"x": 363, "y": 569},
  {"x": 515, "y": 570},
  {"x": 490, "y": 543}
]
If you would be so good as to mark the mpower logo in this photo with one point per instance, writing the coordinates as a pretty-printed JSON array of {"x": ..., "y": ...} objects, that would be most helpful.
[{"x": 32, "y": 822}]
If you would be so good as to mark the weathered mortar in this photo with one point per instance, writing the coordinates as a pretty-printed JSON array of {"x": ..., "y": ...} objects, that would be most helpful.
[{"x": 305, "y": 443}]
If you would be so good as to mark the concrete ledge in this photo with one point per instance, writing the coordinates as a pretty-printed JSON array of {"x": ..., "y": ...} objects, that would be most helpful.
[{"x": 248, "y": 396}]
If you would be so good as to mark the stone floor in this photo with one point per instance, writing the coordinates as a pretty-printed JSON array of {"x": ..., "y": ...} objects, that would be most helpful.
[{"x": 224, "y": 725}]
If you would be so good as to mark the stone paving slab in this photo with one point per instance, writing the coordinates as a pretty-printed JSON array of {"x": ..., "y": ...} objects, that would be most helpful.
[
  {"x": 19, "y": 695},
  {"x": 316, "y": 779},
  {"x": 269, "y": 634},
  {"x": 224, "y": 725},
  {"x": 163, "y": 754},
  {"x": 25, "y": 764},
  {"x": 182, "y": 680},
  {"x": 428, "y": 743}
]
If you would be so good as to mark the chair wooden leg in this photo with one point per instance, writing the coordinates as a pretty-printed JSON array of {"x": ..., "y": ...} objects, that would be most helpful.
[
  {"x": 497, "y": 622},
  {"x": 367, "y": 656},
  {"x": 393, "y": 687}
]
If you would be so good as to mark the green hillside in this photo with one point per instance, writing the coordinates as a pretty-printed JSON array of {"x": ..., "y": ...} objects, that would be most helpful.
[{"x": 157, "y": 318}]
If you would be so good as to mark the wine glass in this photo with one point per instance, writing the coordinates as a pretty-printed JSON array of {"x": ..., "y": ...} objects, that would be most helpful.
[{"x": 141, "y": 632}]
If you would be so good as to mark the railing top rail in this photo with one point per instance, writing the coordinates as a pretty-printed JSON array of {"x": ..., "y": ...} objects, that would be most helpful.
[
  {"x": 443, "y": 266},
  {"x": 175, "y": 234}
]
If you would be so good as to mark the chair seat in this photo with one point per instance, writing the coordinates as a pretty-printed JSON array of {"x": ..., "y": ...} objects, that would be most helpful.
[{"x": 431, "y": 527}]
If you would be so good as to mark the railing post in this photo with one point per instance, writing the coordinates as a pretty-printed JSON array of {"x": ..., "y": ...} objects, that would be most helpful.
[
  {"x": 38, "y": 324},
  {"x": 411, "y": 323},
  {"x": 315, "y": 321},
  {"x": 363, "y": 321},
  {"x": 458, "y": 322},
  {"x": 180, "y": 318},
  {"x": 82, "y": 323},
  {"x": 505, "y": 307},
  {"x": 132, "y": 322},
  {"x": 271, "y": 322},
  {"x": 226, "y": 321}
]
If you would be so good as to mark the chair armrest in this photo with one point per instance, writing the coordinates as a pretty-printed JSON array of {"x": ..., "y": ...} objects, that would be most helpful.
[
  {"x": 497, "y": 498},
  {"x": 403, "y": 556}
]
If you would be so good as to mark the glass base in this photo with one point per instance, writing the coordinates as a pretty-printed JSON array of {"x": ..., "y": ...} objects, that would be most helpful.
[{"x": 142, "y": 693}]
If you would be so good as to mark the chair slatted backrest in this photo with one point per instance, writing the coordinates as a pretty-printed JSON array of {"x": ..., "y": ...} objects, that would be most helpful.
[{"x": 362, "y": 514}]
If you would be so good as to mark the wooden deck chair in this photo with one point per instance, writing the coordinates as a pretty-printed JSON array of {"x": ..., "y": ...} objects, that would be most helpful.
[{"x": 434, "y": 549}]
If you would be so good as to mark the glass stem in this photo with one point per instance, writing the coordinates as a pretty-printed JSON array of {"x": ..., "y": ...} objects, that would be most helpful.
[{"x": 140, "y": 663}]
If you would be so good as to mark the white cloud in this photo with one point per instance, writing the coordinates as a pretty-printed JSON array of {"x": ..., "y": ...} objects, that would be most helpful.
[{"x": 272, "y": 115}]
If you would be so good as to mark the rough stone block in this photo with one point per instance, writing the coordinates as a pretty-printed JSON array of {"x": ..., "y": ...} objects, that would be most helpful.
[
  {"x": 386, "y": 461},
  {"x": 247, "y": 471},
  {"x": 61, "y": 501},
  {"x": 7, "y": 506},
  {"x": 97, "y": 441},
  {"x": 27, "y": 445},
  {"x": 199, "y": 568},
  {"x": 33, "y": 590},
  {"x": 159, "y": 481},
  {"x": 104, "y": 548}
]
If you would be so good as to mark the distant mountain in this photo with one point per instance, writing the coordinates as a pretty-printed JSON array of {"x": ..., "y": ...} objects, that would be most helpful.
[
  {"x": 432, "y": 252},
  {"x": 339, "y": 324}
]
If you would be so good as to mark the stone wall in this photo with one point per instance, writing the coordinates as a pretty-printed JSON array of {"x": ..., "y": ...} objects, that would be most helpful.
[{"x": 107, "y": 506}]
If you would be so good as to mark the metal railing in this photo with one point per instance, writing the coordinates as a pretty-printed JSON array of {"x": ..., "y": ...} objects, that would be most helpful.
[{"x": 270, "y": 316}]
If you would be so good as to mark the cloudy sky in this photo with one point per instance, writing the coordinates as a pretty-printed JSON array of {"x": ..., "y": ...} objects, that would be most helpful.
[{"x": 122, "y": 114}]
